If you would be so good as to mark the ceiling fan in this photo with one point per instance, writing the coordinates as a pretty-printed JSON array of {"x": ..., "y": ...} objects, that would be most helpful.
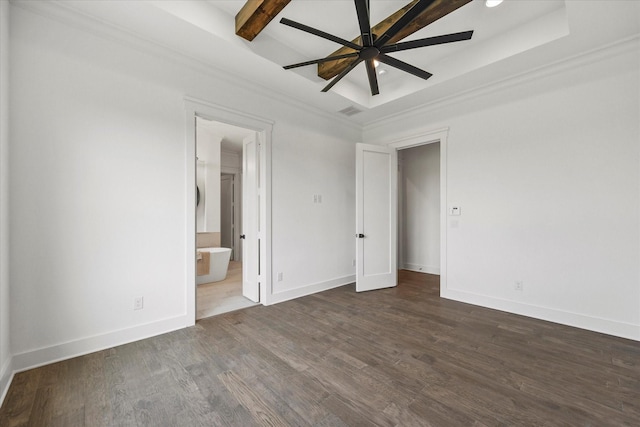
[{"x": 374, "y": 47}]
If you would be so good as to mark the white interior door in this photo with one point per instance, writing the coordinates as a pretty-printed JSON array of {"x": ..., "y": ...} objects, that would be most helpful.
[
  {"x": 250, "y": 219},
  {"x": 376, "y": 217}
]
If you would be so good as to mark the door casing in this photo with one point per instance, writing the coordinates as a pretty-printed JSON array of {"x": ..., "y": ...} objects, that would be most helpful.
[
  {"x": 199, "y": 108},
  {"x": 429, "y": 137}
]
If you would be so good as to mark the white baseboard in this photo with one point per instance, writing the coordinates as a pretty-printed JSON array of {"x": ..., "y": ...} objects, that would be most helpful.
[
  {"x": 429, "y": 269},
  {"x": 605, "y": 326},
  {"x": 44, "y": 356},
  {"x": 310, "y": 289},
  {"x": 6, "y": 376}
]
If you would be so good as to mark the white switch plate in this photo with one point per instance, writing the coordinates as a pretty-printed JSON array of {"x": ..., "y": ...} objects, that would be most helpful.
[{"x": 454, "y": 210}]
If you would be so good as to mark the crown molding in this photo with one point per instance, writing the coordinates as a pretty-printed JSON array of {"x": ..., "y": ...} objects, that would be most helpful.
[
  {"x": 610, "y": 50},
  {"x": 68, "y": 15}
]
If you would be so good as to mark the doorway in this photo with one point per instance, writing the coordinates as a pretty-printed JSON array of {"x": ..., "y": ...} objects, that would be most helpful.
[
  {"x": 377, "y": 203},
  {"x": 219, "y": 153},
  {"x": 261, "y": 134},
  {"x": 419, "y": 208},
  {"x": 434, "y": 254}
]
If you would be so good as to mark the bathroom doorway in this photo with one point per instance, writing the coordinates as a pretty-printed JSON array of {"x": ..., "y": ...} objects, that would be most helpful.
[{"x": 219, "y": 222}]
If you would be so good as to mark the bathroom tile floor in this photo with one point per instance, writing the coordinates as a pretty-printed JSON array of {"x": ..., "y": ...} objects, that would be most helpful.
[{"x": 224, "y": 296}]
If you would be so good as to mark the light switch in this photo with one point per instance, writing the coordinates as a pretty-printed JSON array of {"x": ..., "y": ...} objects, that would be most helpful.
[{"x": 454, "y": 210}]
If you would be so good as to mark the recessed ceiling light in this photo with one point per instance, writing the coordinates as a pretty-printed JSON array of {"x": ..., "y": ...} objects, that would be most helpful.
[{"x": 492, "y": 3}]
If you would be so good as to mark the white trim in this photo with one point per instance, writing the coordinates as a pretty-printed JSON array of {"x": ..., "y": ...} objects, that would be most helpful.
[
  {"x": 429, "y": 137},
  {"x": 198, "y": 108},
  {"x": 429, "y": 269},
  {"x": 311, "y": 289},
  {"x": 55, "y": 353},
  {"x": 590, "y": 323}
]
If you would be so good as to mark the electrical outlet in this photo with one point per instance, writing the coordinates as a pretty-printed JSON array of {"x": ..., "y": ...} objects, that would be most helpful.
[
  {"x": 280, "y": 277},
  {"x": 353, "y": 262},
  {"x": 138, "y": 303},
  {"x": 518, "y": 286}
]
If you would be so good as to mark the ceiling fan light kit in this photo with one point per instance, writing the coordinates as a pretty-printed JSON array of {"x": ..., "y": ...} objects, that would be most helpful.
[{"x": 374, "y": 48}]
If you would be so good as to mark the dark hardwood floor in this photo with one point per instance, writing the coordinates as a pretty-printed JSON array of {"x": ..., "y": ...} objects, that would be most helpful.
[{"x": 395, "y": 357}]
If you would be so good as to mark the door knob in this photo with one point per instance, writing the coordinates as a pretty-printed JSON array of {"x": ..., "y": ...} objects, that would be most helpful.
[
  {"x": 242, "y": 236},
  {"x": 360, "y": 236}
]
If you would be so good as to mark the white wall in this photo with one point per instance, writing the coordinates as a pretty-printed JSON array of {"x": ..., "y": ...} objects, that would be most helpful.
[
  {"x": 208, "y": 173},
  {"x": 231, "y": 159},
  {"x": 305, "y": 233},
  {"x": 5, "y": 351},
  {"x": 420, "y": 211},
  {"x": 546, "y": 171},
  {"x": 98, "y": 188}
]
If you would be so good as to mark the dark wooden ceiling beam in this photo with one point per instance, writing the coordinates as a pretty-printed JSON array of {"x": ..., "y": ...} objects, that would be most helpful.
[
  {"x": 435, "y": 11},
  {"x": 255, "y": 15}
]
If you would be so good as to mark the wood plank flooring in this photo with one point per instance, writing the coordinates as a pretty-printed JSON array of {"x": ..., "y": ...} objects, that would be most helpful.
[
  {"x": 395, "y": 357},
  {"x": 224, "y": 296}
]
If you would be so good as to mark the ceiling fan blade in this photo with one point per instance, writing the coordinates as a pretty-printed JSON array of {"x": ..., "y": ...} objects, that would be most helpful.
[
  {"x": 319, "y": 33},
  {"x": 429, "y": 41},
  {"x": 373, "y": 78},
  {"x": 411, "y": 14},
  {"x": 362, "y": 8},
  {"x": 339, "y": 77},
  {"x": 318, "y": 61},
  {"x": 400, "y": 65}
]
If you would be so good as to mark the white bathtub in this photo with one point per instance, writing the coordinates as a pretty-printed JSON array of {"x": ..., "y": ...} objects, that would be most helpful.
[{"x": 219, "y": 262}]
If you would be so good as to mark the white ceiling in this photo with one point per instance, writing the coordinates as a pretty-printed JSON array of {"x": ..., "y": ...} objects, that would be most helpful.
[{"x": 515, "y": 38}]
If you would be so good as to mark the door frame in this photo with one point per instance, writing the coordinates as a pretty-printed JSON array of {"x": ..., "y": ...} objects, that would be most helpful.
[
  {"x": 430, "y": 137},
  {"x": 235, "y": 179},
  {"x": 195, "y": 107},
  {"x": 237, "y": 214}
]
